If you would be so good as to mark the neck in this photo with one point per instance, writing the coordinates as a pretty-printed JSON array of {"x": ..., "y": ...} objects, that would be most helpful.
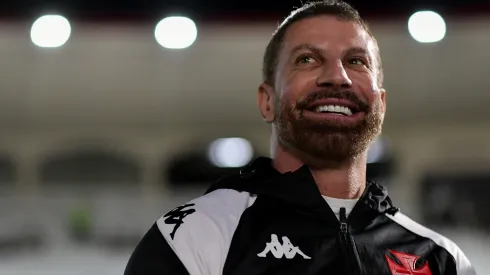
[{"x": 344, "y": 179}]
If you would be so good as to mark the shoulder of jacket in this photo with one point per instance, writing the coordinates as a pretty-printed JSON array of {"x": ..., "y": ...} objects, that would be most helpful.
[
  {"x": 463, "y": 265},
  {"x": 200, "y": 231}
]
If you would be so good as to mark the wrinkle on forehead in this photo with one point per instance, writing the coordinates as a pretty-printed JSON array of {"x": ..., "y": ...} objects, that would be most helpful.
[{"x": 322, "y": 31}]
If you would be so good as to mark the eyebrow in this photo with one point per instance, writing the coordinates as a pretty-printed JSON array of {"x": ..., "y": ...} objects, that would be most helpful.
[
  {"x": 356, "y": 50},
  {"x": 320, "y": 51},
  {"x": 308, "y": 47}
]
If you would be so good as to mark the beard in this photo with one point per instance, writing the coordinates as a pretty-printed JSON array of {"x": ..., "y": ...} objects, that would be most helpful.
[{"x": 328, "y": 140}]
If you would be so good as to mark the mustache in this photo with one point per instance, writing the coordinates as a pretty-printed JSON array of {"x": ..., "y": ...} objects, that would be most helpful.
[{"x": 349, "y": 95}]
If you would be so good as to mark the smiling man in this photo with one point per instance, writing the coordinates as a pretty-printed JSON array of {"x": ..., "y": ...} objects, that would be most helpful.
[
  {"x": 323, "y": 96},
  {"x": 309, "y": 209}
]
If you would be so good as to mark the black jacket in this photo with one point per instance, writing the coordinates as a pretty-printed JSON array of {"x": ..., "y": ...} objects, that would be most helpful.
[{"x": 263, "y": 222}]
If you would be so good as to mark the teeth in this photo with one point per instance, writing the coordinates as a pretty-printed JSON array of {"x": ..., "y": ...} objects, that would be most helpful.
[{"x": 334, "y": 109}]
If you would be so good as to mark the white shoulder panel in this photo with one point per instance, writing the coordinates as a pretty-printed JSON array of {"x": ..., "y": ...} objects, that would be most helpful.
[
  {"x": 200, "y": 232},
  {"x": 463, "y": 265}
]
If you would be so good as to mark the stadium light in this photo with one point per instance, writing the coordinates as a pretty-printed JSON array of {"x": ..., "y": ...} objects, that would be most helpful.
[
  {"x": 230, "y": 152},
  {"x": 50, "y": 31},
  {"x": 427, "y": 27},
  {"x": 176, "y": 32}
]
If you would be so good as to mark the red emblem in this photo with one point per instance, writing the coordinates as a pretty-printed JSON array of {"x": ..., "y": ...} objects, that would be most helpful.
[{"x": 407, "y": 264}]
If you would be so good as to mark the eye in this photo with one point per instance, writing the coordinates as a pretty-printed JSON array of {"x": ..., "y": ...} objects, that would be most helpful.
[
  {"x": 305, "y": 59},
  {"x": 357, "y": 61}
]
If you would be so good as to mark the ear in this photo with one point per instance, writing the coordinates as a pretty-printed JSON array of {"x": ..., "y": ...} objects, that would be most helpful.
[
  {"x": 265, "y": 101},
  {"x": 383, "y": 98}
]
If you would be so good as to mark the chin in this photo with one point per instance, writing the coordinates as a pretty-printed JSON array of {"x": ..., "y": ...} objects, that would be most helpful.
[{"x": 334, "y": 146}]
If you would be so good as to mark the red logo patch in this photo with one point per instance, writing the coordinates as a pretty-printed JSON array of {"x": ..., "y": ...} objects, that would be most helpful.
[{"x": 407, "y": 264}]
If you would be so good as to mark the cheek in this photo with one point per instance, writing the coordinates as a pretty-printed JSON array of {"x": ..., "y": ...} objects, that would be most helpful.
[
  {"x": 298, "y": 84},
  {"x": 375, "y": 85},
  {"x": 366, "y": 85}
]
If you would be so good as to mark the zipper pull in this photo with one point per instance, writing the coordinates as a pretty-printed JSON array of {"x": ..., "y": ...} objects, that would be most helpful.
[{"x": 343, "y": 220}]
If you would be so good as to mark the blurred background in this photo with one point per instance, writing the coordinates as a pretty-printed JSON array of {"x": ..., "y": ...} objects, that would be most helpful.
[{"x": 114, "y": 112}]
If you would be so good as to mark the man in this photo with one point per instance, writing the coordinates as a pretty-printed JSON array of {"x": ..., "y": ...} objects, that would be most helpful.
[{"x": 309, "y": 209}]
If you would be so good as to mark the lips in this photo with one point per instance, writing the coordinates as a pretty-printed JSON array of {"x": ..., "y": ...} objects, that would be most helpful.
[
  {"x": 335, "y": 109},
  {"x": 333, "y": 118},
  {"x": 334, "y": 106}
]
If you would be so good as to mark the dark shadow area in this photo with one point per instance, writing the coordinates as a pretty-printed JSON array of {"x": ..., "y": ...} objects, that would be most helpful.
[
  {"x": 89, "y": 166},
  {"x": 456, "y": 199},
  {"x": 8, "y": 170},
  {"x": 194, "y": 169}
]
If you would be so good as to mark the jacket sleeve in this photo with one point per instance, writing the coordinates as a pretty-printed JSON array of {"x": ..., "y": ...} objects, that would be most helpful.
[
  {"x": 154, "y": 256},
  {"x": 191, "y": 239},
  {"x": 463, "y": 265}
]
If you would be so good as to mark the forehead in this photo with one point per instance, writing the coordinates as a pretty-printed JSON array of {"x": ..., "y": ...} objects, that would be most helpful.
[{"x": 327, "y": 32}]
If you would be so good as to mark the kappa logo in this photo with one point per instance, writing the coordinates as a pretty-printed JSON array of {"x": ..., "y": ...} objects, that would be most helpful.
[
  {"x": 407, "y": 264},
  {"x": 177, "y": 215},
  {"x": 279, "y": 250}
]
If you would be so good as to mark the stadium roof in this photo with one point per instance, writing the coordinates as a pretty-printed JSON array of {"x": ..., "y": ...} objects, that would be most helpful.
[{"x": 218, "y": 10}]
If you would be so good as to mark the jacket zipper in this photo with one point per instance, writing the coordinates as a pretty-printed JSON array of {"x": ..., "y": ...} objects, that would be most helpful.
[{"x": 348, "y": 246}]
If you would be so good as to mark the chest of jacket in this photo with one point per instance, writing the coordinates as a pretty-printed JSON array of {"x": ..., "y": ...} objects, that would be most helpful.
[{"x": 274, "y": 237}]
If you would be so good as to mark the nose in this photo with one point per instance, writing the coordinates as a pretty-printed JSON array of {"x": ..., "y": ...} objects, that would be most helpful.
[{"x": 333, "y": 74}]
